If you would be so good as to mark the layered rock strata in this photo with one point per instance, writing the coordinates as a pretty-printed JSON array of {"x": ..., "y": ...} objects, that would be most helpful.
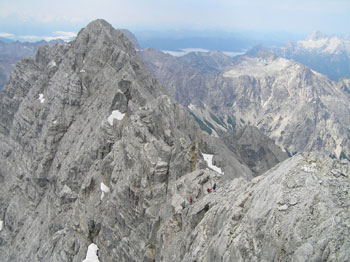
[{"x": 90, "y": 144}]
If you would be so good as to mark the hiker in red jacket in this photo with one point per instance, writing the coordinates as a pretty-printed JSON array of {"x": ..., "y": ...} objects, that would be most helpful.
[
  {"x": 209, "y": 190},
  {"x": 191, "y": 200}
]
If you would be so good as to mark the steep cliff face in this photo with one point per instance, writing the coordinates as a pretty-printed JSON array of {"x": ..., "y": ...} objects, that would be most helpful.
[
  {"x": 184, "y": 82},
  {"x": 94, "y": 156},
  {"x": 93, "y": 151},
  {"x": 256, "y": 150},
  {"x": 299, "y": 108}
]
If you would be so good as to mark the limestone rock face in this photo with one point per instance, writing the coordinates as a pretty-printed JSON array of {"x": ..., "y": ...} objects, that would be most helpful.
[
  {"x": 257, "y": 151},
  {"x": 12, "y": 52},
  {"x": 297, "y": 107},
  {"x": 184, "y": 82},
  {"x": 298, "y": 211},
  {"x": 97, "y": 161},
  {"x": 92, "y": 150},
  {"x": 132, "y": 38},
  {"x": 213, "y": 61},
  {"x": 300, "y": 109}
]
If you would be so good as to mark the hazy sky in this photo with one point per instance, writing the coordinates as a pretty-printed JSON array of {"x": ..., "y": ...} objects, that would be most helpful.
[{"x": 54, "y": 17}]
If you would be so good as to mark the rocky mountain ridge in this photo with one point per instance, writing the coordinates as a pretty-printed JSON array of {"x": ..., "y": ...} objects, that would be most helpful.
[
  {"x": 295, "y": 212},
  {"x": 257, "y": 151},
  {"x": 95, "y": 156},
  {"x": 90, "y": 144},
  {"x": 300, "y": 109},
  {"x": 325, "y": 44},
  {"x": 12, "y": 52},
  {"x": 329, "y": 55}
]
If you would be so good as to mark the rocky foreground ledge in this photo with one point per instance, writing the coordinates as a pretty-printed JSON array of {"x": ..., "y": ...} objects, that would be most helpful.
[{"x": 298, "y": 211}]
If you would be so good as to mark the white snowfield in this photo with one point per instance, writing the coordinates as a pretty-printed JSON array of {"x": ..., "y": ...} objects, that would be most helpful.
[
  {"x": 105, "y": 189},
  {"x": 116, "y": 114},
  {"x": 330, "y": 45},
  {"x": 1, "y": 225},
  {"x": 41, "y": 98},
  {"x": 91, "y": 255},
  {"x": 209, "y": 159}
]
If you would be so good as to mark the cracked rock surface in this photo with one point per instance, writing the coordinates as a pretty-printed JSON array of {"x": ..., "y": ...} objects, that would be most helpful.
[
  {"x": 94, "y": 153},
  {"x": 90, "y": 144}
]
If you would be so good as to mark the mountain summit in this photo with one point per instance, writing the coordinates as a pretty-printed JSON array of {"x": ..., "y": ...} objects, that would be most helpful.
[
  {"x": 316, "y": 35},
  {"x": 97, "y": 162},
  {"x": 93, "y": 151},
  {"x": 329, "y": 55}
]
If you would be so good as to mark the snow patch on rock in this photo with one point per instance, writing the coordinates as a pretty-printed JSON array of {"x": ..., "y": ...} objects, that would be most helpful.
[
  {"x": 209, "y": 159},
  {"x": 91, "y": 254},
  {"x": 116, "y": 114},
  {"x": 191, "y": 107},
  {"x": 105, "y": 189},
  {"x": 283, "y": 208},
  {"x": 52, "y": 64},
  {"x": 41, "y": 98}
]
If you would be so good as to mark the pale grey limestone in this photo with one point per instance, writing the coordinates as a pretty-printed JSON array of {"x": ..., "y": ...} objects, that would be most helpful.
[
  {"x": 55, "y": 155},
  {"x": 56, "y": 152},
  {"x": 300, "y": 109}
]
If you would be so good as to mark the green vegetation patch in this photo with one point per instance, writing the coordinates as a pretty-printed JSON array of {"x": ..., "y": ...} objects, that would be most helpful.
[
  {"x": 209, "y": 124},
  {"x": 217, "y": 120},
  {"x": 202, "y": 126},
  {"x": 343, "y": 156},
  {"x": 231, "y": 122}
]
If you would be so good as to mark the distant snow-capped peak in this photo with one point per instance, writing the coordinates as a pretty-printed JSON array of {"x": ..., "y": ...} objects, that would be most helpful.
[{"x": 319, "y": 42}]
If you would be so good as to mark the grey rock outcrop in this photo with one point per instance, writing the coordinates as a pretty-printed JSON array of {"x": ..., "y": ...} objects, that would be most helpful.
[
  {"x": 12, "y": 52},
  {"x": 213, "y": 61},
  {"x": 94, "y": 153},
  {"x": 297, "y": 107},
  {"x": 90, "y": 150},
  {"x": 132, "y": 38},
  {"x": 298, "y": 211},
  {"x": 255, "y": 149},
  {"x": 184, "y": 82}
]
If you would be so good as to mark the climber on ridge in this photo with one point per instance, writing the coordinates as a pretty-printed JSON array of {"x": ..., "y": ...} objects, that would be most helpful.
[{"x": 214, "y": 186}]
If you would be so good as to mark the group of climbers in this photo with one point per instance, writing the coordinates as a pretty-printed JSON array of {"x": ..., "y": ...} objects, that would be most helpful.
[{"x": 209, "y": 190}]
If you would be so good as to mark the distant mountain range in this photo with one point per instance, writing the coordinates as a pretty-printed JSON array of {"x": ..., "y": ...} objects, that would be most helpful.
[
  {"x": 329, "y": 55},
  {"x": 211, "y": 39},
  {"x": 209, "y": 43},
  {"x": 98, "y": 163}
]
